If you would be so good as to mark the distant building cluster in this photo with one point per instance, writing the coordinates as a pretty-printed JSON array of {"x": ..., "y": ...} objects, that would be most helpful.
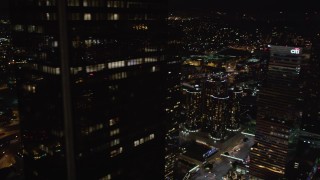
[{"x": 212, "y": 101}]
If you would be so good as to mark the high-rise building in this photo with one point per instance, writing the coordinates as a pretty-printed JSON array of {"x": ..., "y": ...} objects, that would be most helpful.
[
  {"x": 216, "y": 103},
  {"x": 311, "y": 90},
  {"x": 193, "y": 108},
  {"x": 233, "y": 123},
  {"x": 278, "y": 117},
  {"x": 92, "y": 94}
]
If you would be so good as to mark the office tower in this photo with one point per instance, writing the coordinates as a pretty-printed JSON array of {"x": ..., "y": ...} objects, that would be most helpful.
[
  {"x": 5, "y": 45},
  {"x": 91, "y": 96},
  {"x": 216, "y": 102},
  {"x": 278, "y": 115},
  {"x": 208, "y": 90},
  {"x": 193, "y": 108},
  {"x": 233, "y": 123},
  {"x": 311, "y": 100},
  {"x": 173, "y": 112}
]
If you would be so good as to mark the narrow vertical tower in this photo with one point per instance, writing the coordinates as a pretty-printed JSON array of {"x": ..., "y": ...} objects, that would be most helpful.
[
  {"x": 233, "y": 123},
  {"x": 193, "y": 106}
]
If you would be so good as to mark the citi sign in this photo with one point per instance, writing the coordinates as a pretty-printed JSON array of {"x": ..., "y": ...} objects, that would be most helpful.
[{"x": 295, "y": 51}]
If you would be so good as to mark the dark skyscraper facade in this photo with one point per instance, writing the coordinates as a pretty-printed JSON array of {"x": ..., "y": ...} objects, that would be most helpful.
[
  {"x": 91, "y": 94},
  {"x": 278, "y": 114}
]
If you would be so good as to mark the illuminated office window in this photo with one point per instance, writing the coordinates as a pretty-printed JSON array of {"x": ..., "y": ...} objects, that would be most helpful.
[
  {"x": 73, "y": 3},
  {"x": 50, "y": 16},
  {"x": 115, "y": 4},
  {"x": 85, "y": 3},
  {"x": 18, "y": 27},
  {"x": 107, "y": 177},
  {"x": 116, "y": 152},
  {"x": 114, "y": 142},
  {"x": 136, "y": 143},
  {"x": 31, "y": 28},
  {"x": 55, "y": 44},
  {"x": 116, "y": 64},
  {"x": 118, "y": 76},
  {"x": 113, "y": 16},
  {"x": 114, "y": 132},
  {"x": 91, "y": 3},
  {"x": 47, "y": 2},
  {"x": 87, "y": 16}
]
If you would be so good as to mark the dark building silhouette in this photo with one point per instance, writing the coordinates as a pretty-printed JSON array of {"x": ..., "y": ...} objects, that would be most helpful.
[
  {"x": 277, "y": 128},
  {"x": 92, "y": 93}
]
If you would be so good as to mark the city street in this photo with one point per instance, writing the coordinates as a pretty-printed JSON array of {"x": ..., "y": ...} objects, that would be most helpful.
[
  {"x": 236, "y": 147},
  {"x": 9, "y": 133}
]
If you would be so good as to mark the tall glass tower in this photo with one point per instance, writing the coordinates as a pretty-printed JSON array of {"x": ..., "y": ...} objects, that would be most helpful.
[
  {"x": 278, "y": 116},
  {"x": 91, "y": 94}
]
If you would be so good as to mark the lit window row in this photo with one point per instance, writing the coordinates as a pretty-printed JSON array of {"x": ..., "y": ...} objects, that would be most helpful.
[
  {"x": 114, "y": 132},
  {"x": 92, "y": 129},
  {"x": 115, "y": 4},
  {"x": 98, "y": 3},
  {"x": 73, "y": 3},
  {"x": 143, "y": 140},
  {"x": 18, "y": 27},
  {"x": 46, "y": 2},
  {"x": 33, "y": 28},
  {"x": 89, "y": 42},
  {"x": 92, "y": 3},
  {"x": 93, "y": 16},
  {"x": 49, "y": 16},
  {"x": 94, "y": 68},
  {"x": 135, "y": 61},
  {"x": 116, "y": 64},
  {"x": 118, "y": 76},
  {"x": 107, "y": 177},
  {"x": 103, "y": 17},
  {"x": 116, "y": 152},
  {"x": 113, "y": 16},
  {"x": 150, "y": 59},
  {"x": 50, "y": 70},
  {"x": 75, "y": 70},
  {"x": 150, "y": 50},
  {"x": 29, "y": 88},
  {"x": 114, "y": 142}
]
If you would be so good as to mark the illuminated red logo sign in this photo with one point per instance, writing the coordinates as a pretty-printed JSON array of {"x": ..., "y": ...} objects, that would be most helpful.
[{"x": 295, "y": 51}]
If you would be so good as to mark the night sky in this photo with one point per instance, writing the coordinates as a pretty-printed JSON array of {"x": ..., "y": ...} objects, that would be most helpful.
[
  {"x": 4, "y": 7},
  {"x": 243, "y": 5}
]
